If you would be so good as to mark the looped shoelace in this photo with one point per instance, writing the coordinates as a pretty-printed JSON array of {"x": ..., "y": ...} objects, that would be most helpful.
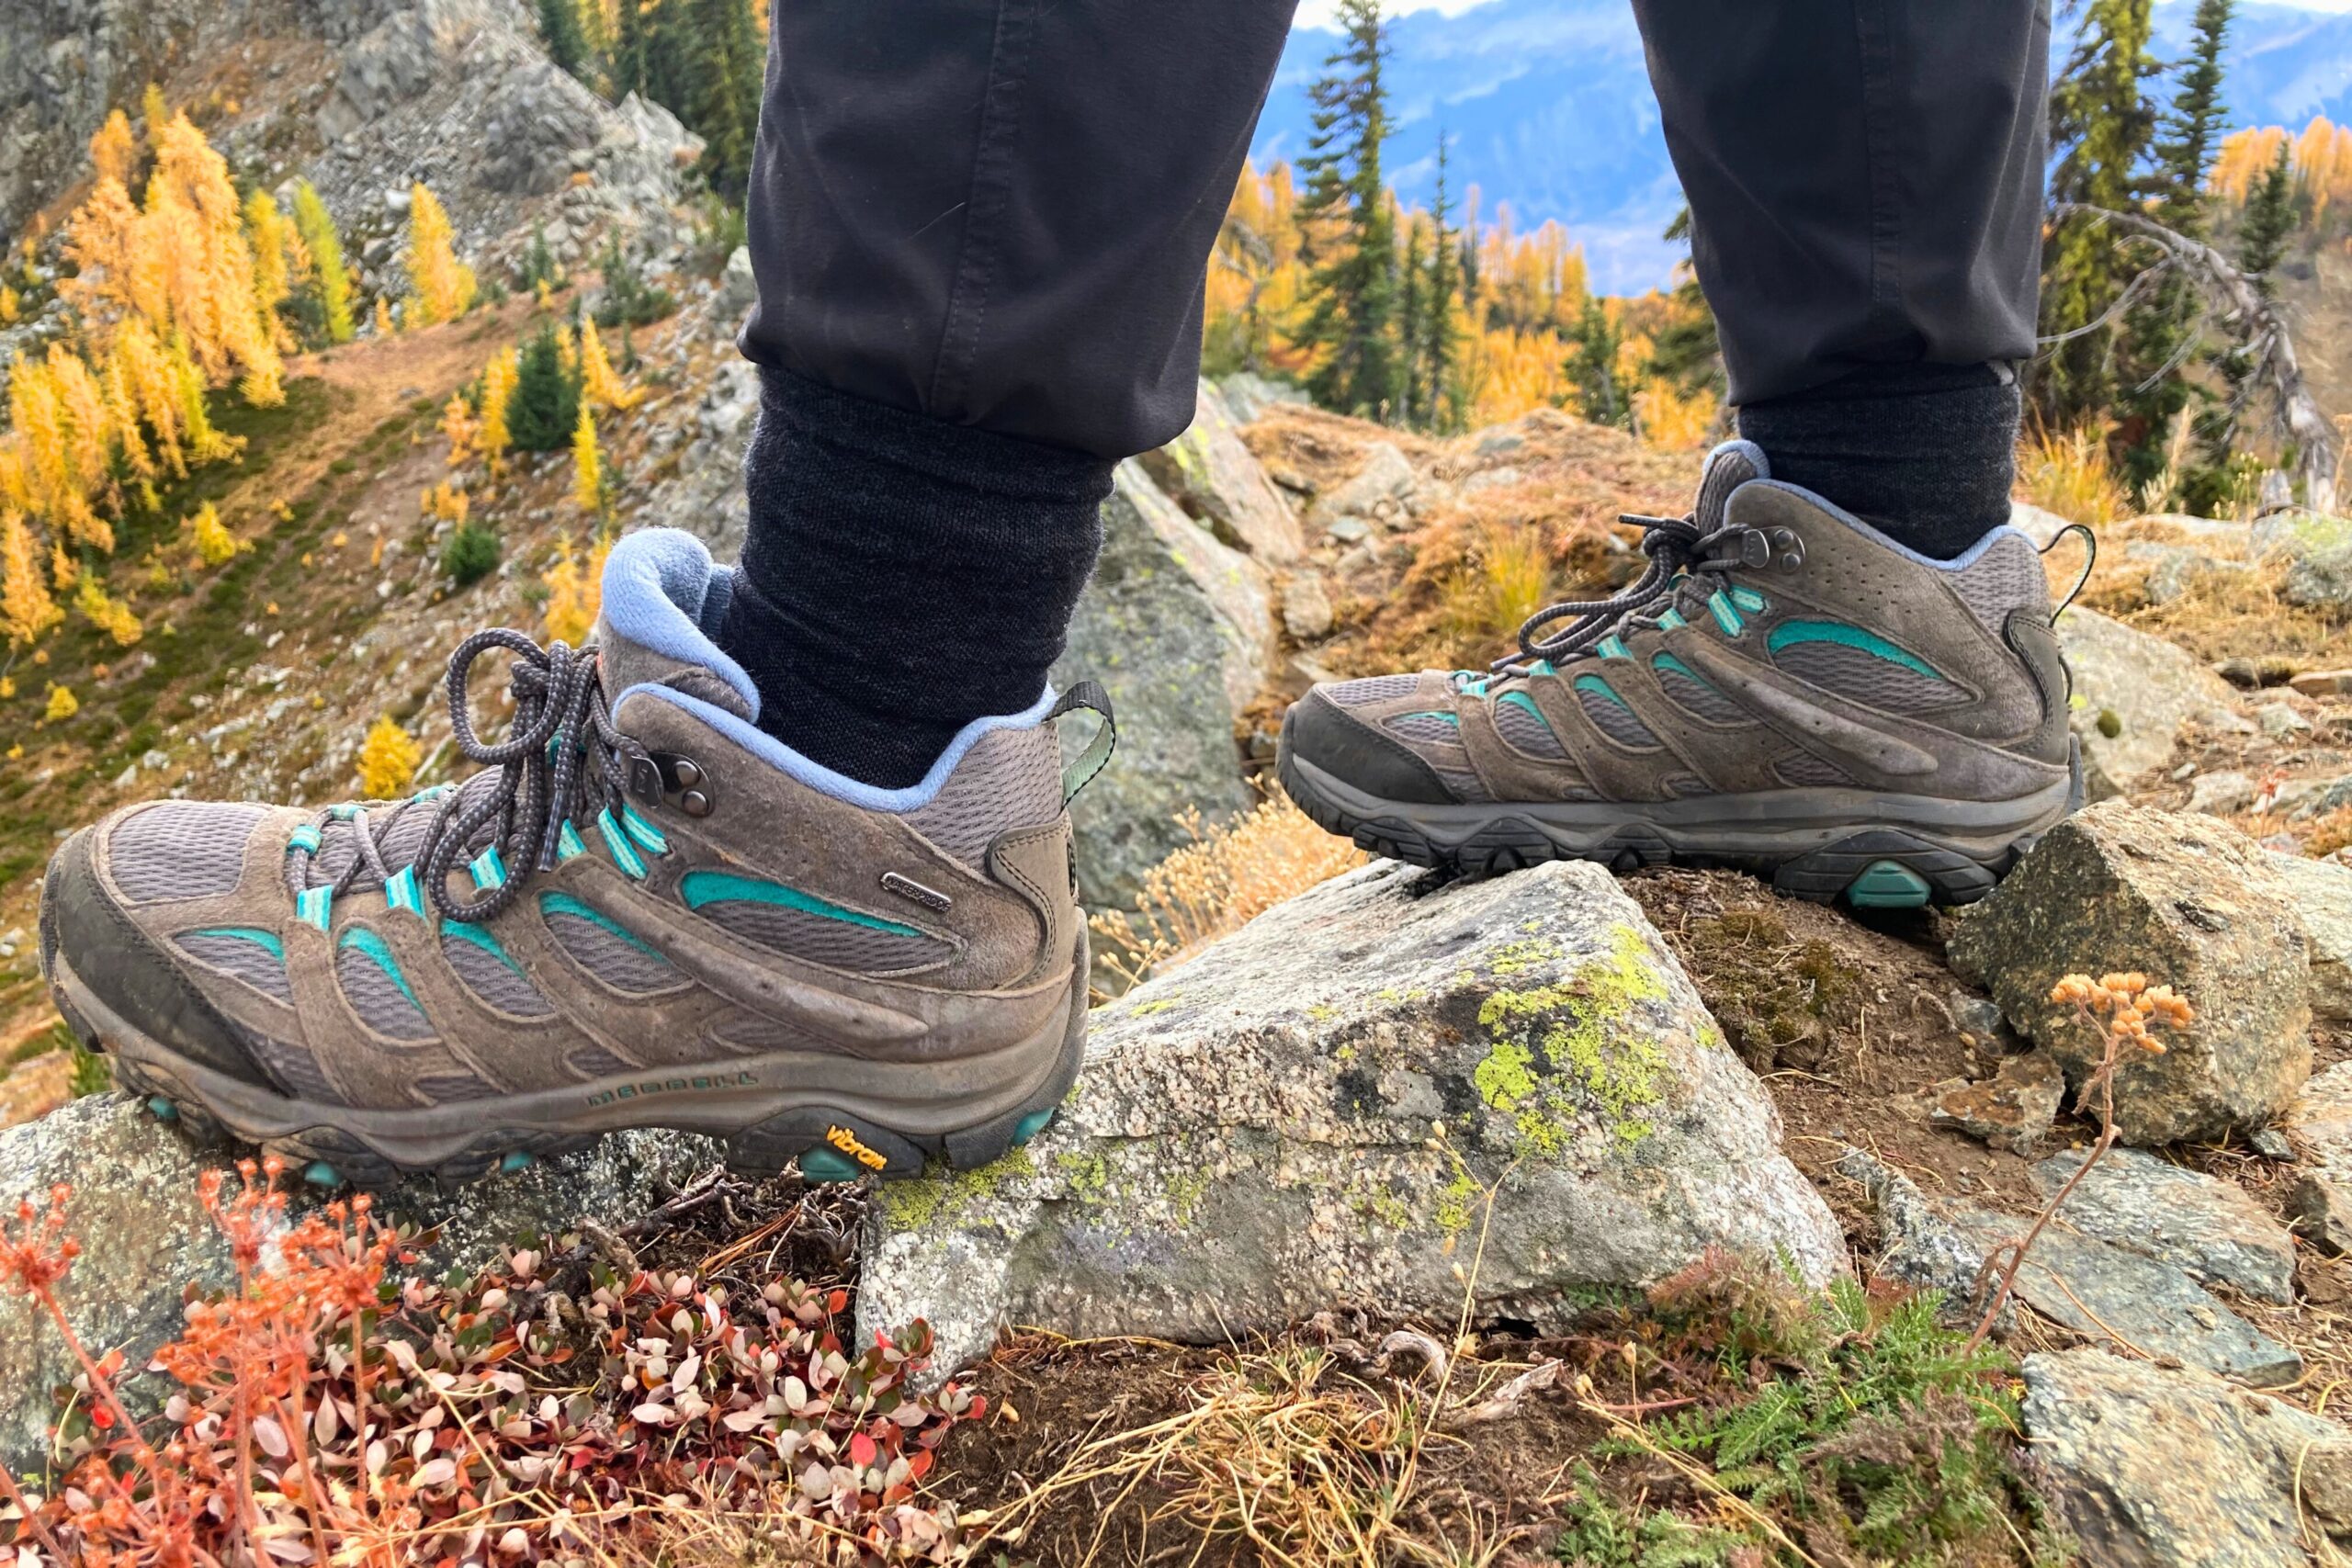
[
  {"x": 1678, "y": 549},
  {"x": 561, "y": 751}
]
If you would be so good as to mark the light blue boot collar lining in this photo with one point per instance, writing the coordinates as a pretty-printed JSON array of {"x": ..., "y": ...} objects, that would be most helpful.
[{"x": 662, "y": 592}]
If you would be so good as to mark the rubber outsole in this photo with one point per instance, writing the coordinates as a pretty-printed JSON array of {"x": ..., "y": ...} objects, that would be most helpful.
[
  {"x": 825, "y": 1142},
  {"x": 1870, "y": 865}
]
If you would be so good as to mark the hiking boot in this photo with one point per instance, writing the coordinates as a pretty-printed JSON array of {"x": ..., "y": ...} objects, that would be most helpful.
[
  {"x": 646, "y": 913},
  {"x": 1786, "y": 690}
]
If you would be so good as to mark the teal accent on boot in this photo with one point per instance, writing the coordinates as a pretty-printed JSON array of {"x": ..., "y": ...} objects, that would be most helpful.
[
  {"x": 827, "y": 1165},
  {"x": 1600, "y": 688},
  {"x": 360, "y": 940},
  {"x": 305, "y": 838},
  {"x": 1029, "y": 1126},
  {"x": 319, "y": 1173},
  {"x": 1726, "y": 617},
  {"x": 266, "y": 940},
  {"x": 616, "y": 844},
  {"x": 315, "y": 906},
  {"x": 520, "y": 1159},
  {"x": 1669, "y": 619},
  {"x": 488, "y": 869},
  {"x": 567, "y": 844},
  {"x": 1611, "y": 647},
  {"x": 402, "y": 892},
  {"x": 1792, "y": 632},
  {"x": 1888, "y": 885},
  {"x": 161, "y": 1110},
  {"x": 565, "y": 904},
  {"x": 347, "y": 811},
  {"x": 644, "y": 832},
  {"x": 465, "y": 930},
  {"x": 701, "y": 887},
  {"x": 1749, "y": 600}
]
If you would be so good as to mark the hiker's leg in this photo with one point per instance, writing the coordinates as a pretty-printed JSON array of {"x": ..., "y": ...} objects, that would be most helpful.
[
  {"x": 979, "y": 229},
  {"x": 1865, "y": 179}
]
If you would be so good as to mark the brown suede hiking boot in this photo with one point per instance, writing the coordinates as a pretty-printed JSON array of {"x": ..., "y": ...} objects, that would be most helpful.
[
  {"x": 1786, "y": 690},
  {"x": 654, "y": 916}
]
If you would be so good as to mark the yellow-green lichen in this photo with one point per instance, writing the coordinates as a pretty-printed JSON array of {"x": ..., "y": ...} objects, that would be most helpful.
[
  {"x": 942, "y": 1196},
  {"x": 1086, "y": 1176},
  {"x": 1520, "y": 956},
  {"x": 1322, "y": 1013},
  {"x": 1561, "y": 1052},
  {"x": 1457, "y": 1203}
]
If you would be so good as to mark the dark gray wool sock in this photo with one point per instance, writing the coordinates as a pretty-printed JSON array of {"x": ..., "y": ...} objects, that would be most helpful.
[
  {"x": 1927, "y": 454},
  {"x": 902, "y": 576}
]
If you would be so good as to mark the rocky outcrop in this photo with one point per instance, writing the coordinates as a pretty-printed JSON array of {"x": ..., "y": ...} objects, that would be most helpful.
[
  {"x": 144, "y": 1236},
  {"x": 2207, "y": 1227},
  {"x": 1178, "y": 629},
  {"x": 2132, "y": 692},
  {"x": 2191, "y": 903},
  {"x": 2319, "y": 1133},
  {"x": 1217, "y": 481},
  {"x": 1381, "y": 1091},
  {"x": 2322, "y": 894},
  {"x": 2115, "y": 1441}
]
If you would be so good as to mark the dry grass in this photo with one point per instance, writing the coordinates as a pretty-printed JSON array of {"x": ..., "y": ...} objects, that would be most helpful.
[
  {"x": 2222, "y": 613},
  {"x": 2068, "y": 474},
  {"x": 1504, "y": 578},
  {"x": 1226, "y": 876}
]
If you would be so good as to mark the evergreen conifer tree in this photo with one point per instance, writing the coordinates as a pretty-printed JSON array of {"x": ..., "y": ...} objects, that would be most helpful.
[
  {"x": 1345, "y": 217},
  {"x": 544, "y": 408},
  {"x": 2269, "y": 219},
  {"x": 560, "y": 32},
  {"x": 1593, "y": 367},
  {"x": 1411, "y": 403},
  {"x": 1439, "y": 343}
]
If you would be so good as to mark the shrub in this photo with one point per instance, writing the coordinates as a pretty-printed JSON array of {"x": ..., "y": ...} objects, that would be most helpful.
[
  {"x": 545, "y": 406},
  {"x": 388, "y": 760},
  {"x": 629, "y": 300},
  {"x": 469, "y": 554}
]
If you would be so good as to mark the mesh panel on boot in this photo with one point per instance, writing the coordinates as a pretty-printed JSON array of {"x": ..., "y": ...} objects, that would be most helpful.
[
  {"x": 1524, "y": 730},
  {"x": 1702, "y": 699},
  {"x": 1805, "y": 771},
  {"x": 1866, "y": 678},
  {"x": 1467, "y": 787},
  {"x": 379, "y": 1000},
  {"x": 450, "y": 1088},
  {"x": 240, "y": 958},
  {"x": 1427, "y": 729},
  {"x": 1372, "y": 689},
  {"x": 1682, "y": 786},
  {"x": 595, "y": 1062},
  {"x": 180, "y": 848},
  {"x": 493, "y": 980},
  {"x": 1010, "y": 779},
  {"x": 1614, "y": 719},
  {"x": 837, "y": 944},
  {"x": 291, "y": 1066},
  {"x": 2006, "y": 577},
  {"x": 620, "y": 962}
]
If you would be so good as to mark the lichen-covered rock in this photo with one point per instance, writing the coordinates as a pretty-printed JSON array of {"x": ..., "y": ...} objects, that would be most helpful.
[
  {"x": 2132, "y": 692},
  {"x": 144, "y": 1236},
  {"x": 2319, "y": 1134},
  {"x": 2192, "y": 903},
  {"x": 2156, "y": 1469},
  {"x": 2012, "y": 1110},
  {"x": 2209, "y": 1227},
  {"x": 1315, "y": 1109},
  {"x": 1918, "y": 1246},
  {"x": 2322, "y": 892},
  {"x": 1384, "y": 491},
  {"x": 1216, "y": 479},
  {"x": 1178, "y": 629}
]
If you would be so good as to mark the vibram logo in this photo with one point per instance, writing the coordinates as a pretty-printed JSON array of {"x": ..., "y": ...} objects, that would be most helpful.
[{"x": 847, "y": 1142}]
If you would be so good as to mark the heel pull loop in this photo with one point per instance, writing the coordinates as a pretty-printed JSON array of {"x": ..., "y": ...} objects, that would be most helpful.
[
  {"x": 1089, "y": 695},
  {"x": 2090, "y": 559}
]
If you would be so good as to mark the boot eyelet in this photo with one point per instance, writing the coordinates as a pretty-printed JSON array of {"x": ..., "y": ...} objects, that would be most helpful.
[{"x": 693, "y": 802}]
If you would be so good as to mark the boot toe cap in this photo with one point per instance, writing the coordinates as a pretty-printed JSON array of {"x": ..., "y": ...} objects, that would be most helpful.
[{"x": 1322, "y": 731}]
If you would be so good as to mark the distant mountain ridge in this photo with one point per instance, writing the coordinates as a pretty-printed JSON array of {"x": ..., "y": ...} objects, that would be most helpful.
[{"x": 1547, "y": 105}]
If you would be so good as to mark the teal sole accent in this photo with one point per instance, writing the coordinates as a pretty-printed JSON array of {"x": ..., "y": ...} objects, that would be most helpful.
[
  {"x": 161, "y": 1110},
  {"x": 319, "y": 1173},
  {"x": 701, "y": 887},
  {"x": 1790, "y": 633},
  {"x": 829, "y": 1165},
  {"x": 521, "y": 1159},
  {"x": 1888, "y": 885},
  {"x": 565, "y": 904},
  {"x": 1029, "y": 1126},
  {"x": 360, "y": 940}
]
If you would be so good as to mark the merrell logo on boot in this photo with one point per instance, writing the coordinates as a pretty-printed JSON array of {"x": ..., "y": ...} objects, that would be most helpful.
[
  {"x": 646, "y": 1087},
  {"x": 847, "y": 1142}
]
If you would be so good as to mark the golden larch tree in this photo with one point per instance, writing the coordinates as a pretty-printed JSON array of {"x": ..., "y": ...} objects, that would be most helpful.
[
  {"x": 26, "y": 611},
  {"x": 498, "y": 379},
  {"x": 587, "y": 464},
  {"x": 598, "y": 381},
  {"x": 440, "y": 285}
]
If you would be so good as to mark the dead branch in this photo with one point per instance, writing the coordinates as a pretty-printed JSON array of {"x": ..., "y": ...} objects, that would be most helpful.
[{"x": 2260, "y": 329}]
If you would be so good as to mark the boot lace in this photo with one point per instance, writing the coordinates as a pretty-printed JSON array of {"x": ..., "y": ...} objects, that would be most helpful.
[
  {"x": 560, "y": 755},
  {"x": 1684, "y": 558}
]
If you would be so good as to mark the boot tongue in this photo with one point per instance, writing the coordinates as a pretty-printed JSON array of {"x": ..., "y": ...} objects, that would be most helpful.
[
  {"x": 1729, "y": 466},
  {"x": 664, "y": 603}
]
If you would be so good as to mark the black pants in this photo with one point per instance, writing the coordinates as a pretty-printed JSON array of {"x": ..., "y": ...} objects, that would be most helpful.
[{"x": 998, "y": 212}]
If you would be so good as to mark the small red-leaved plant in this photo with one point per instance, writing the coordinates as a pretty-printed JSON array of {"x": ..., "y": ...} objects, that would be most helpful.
[{"x": 332, "y": 1411}]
